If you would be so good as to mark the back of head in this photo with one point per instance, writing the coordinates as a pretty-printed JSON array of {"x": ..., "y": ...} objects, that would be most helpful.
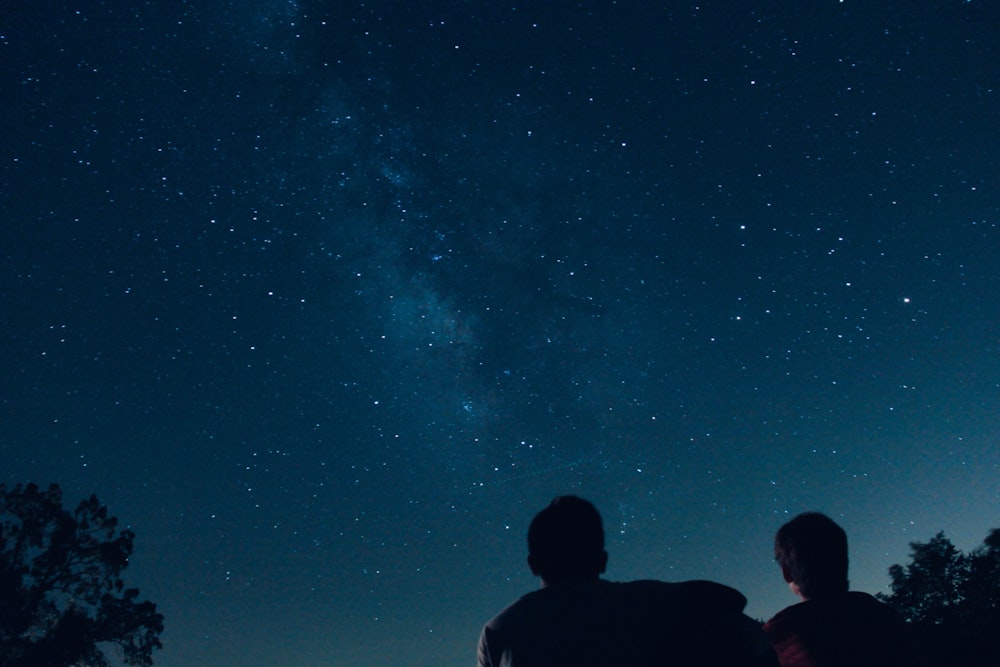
[
  {"x": 566, "y": 541},
  {"x": 812, "y": 552}
]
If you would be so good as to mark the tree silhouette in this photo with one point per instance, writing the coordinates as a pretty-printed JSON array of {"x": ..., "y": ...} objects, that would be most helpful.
[
  {"x": 952, "y": 600},
  {"x": 983, "y": 592},
  {"x": 930, "y": 590},
  {"x": 62, "y": 599},
  {"x": 982, "y": 601}
]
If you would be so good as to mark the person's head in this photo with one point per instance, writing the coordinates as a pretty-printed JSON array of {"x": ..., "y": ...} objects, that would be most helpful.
[
  {"x": 812, "y": 552},
  {"x": 566, "y": 541}
]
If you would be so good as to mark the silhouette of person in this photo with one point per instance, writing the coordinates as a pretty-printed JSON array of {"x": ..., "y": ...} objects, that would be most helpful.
[
  {"x": 832, "y": 626},
  {"x": 579, "y": 619}
]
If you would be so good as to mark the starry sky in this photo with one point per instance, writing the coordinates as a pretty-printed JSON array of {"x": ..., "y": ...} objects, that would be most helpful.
[{"x": 326, "y": 299}]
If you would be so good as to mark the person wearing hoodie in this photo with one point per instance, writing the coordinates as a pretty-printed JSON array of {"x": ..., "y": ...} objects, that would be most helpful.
[
  {"x": 579, "y": 619},
  {"x": 832, "y": 626}
]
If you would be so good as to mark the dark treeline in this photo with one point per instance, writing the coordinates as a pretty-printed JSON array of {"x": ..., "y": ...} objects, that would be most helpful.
[{"x": 952, "y": 600}]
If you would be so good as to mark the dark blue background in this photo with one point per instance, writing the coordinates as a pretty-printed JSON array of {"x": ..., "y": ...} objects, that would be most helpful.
[{"x": 327, "y": 299}]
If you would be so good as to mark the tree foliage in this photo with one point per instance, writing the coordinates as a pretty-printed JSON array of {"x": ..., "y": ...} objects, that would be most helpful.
[
  {"x": 62, "y": 599},
  {"x": 983, "y": 589},
  {"x": 931, "y": 589},
  {"x": 952, "y": 599}
]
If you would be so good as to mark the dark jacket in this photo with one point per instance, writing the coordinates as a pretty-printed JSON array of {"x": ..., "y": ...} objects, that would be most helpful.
[
  {"x": 848, "y": 630},
  {"x": 598, "y": 623}
]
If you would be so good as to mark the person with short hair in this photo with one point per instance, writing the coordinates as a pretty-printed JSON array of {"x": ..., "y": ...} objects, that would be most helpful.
[
  {"x": 578, "y": 619},
  {"x": 832, "y": 626}
]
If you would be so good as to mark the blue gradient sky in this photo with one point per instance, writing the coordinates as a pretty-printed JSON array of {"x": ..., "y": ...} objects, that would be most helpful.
[{"x": 326, "y": 300}]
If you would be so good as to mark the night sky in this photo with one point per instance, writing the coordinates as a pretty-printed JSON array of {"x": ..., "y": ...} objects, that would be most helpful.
[{"x": 326, "y": 299}]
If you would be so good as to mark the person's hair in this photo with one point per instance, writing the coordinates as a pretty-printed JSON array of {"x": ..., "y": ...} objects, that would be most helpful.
[
  {"x": 812, "y": 551},
  {"x": 566, "y": 541}
]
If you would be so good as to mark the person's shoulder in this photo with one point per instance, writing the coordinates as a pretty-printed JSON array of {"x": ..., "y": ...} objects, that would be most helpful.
[
  {"x": 559, "y": 596},
  {"x": 701, "y": 595},
  {"x": 636, "y": 590},
  {"x": 715, "y": 630},
  {"x": 518, "y": 608},
  {"x": 871, "y": 607},
  {"x": 866, "y": 603},
  {"x": 781, "y": 616},
  {"x": 852, "y": 608},
  {"x": 651, "y": 586},
  {"x": 790, "y": 617},
  {"x": 695, "y": 596},
  {"x": 861, "y": 599}
]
